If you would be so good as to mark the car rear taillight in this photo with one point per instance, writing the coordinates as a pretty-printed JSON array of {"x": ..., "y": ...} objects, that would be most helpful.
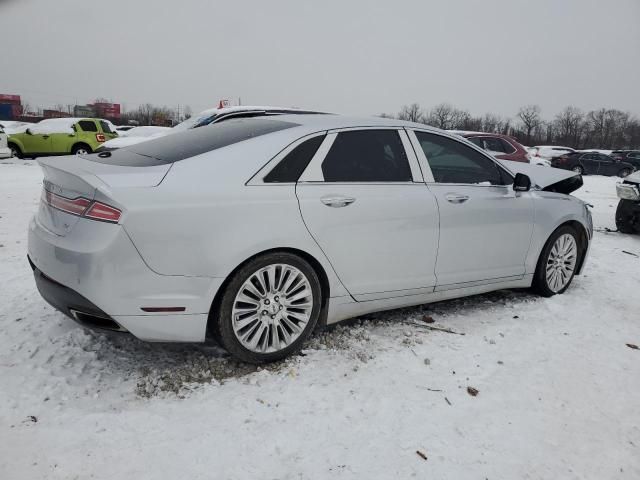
[
  {"x": 100, "y": 211},
  {"x": 76, "y": 206},
  {"x": 100, "y": 137},
  {"x": 82, "y": 207}
]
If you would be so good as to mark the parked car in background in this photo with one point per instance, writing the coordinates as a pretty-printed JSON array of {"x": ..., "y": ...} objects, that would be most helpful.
[
  {"x": 550, "y": 152},
  {"x": 61, "y": 136},
  {"x": 133, "y": 136},
  {"x": 500, "y": 146},
  {"x": 628, "y": 211},
  {"x": 213, "y": 115},
  {"x": 260, "y": 229},
  {"x": 628, "y": 156},
  {"x": 10, "y": 125},
  {"x": 5, "y": 151},
  {"x": 592, "y": 163},
  {"x": 124, "y": 128}
]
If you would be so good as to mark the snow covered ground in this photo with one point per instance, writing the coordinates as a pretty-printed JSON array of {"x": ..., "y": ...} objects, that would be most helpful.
[{"x": 559, "y": 391}]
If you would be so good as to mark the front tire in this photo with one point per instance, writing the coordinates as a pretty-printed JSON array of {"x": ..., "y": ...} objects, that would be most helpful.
[
  {"x": 627, "y": 219},
  {"x": 557, "y": 263},
  {"x": 624, "y": 172},
  {"x": 578, "y": 169},
  {"x": 269, "y": 308}
]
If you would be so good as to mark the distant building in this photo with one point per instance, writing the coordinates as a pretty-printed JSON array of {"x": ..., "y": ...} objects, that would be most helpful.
[
  {"x": 54, "y": 114},
  {"x": 84, "y": 111},
  {"x": 10, "y": 107}
]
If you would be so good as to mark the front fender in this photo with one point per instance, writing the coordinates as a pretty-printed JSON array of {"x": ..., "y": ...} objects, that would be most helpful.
[{"x": 553, "y": 210}]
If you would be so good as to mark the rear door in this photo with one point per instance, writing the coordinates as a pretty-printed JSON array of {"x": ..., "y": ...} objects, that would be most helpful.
[
  {"x": 364, "y": 202},
  {"x": 485, "y": 227},
  {"x": 590, "y": 163},
  {"x": 607, "y": 165}
]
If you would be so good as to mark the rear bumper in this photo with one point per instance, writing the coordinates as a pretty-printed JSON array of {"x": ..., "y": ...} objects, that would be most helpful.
[{"x": 96, "y": 276}]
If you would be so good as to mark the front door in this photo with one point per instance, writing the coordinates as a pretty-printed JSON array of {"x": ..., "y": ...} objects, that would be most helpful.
[
  {"x": 365, "y": 205},
  {"x": 590, "y": 163},
  {"x": 485, "y": 227}
]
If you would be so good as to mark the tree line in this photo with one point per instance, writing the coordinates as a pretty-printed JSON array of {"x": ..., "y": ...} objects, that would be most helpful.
[{"x": 605, "y": 128}]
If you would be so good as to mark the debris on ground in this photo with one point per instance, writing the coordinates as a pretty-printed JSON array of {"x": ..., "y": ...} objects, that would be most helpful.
[
  {"x": 472, "y": 391},
  {"x": 421, "y": 454},
  {"x": 633, "y": 346},
  {"x": 428, "y": 319}
]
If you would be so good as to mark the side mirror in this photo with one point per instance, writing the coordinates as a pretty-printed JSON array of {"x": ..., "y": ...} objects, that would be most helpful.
[
  {"x": 28, "y": 131},
  {"x": 521, "y": 183}
]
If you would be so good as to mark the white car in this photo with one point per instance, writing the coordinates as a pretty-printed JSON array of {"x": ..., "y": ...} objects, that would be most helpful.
[
  {"x": 258, "y": 229},
  {"x": 133, "y": 136},
  {"x": 549, "y": 152},
  {"x": 5, "y": 151},
  {"x": 207, "y": 117}
]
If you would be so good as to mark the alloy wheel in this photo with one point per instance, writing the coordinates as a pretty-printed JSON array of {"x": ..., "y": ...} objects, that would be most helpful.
[
  {"x": 272, "y": 308},
  {"x": 561, "y": 262}
]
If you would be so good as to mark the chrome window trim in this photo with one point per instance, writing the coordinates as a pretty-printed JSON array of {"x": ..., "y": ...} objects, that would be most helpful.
[
  {"x": 418, "y": 148},
  {"x": 313, "y": 173}
]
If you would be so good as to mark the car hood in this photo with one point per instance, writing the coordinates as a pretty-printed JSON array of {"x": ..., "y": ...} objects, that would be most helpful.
[
  {"x": 633, "y": 178},
  {"x": 548, "y": 179}
]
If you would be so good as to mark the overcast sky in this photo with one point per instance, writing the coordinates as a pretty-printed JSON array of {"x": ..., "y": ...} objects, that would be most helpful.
[{"x": 356, "y": 56}]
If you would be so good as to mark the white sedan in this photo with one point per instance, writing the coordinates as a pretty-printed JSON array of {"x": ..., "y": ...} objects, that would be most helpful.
[{"x": 259, "y": 229}]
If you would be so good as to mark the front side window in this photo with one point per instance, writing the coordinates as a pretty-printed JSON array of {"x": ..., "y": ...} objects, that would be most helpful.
[
  {"x": 367, "y": 156},
  {"x": 508, "y": 148},
  {"x": 105, "y": 127},
  {"x": 87, "y": 126},
  {"x": 453, "y": 162},
  {"x": 634, "y": 155}
]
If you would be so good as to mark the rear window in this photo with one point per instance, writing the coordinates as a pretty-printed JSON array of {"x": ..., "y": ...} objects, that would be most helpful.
[{"x": 179, "y": 146}]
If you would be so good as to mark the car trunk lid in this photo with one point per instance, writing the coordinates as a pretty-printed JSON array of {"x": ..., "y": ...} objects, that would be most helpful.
[{"x": 75, "y": 177}]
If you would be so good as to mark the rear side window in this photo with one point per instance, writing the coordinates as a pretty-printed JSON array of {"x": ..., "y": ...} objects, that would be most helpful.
[
  {"x": 508, "y": 148},
  {"x": 87, "y": 126},
  {"x": 454, "y": 162},
  {"x": 367, "y": 156},
  {"x": 291, "y": 167},
  {"x": 189, "y": 143},
  {"x": 494, "y": 145}
]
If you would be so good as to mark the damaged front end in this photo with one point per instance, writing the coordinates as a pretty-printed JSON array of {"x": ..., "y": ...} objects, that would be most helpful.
[{"x": 547, "y": 179}]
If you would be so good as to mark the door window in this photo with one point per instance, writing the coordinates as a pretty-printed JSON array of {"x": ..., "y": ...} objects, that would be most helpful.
[
  {"x": 367, "y": 156},
  {"x": 508, "y": 148},
  {"x": 494, "y": 145},
  {"x": 453, "y": 162},
  {"x": 88, "y": 126}
]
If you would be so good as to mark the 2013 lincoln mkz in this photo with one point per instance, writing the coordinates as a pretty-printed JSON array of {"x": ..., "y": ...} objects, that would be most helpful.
[{"x": 257, "y": 230}]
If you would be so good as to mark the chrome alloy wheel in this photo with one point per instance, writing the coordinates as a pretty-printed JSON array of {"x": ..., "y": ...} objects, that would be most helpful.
[
  {"x": 272, "y": 308},
  {"x": 561, "y": 262},
  {"x": 82, "y": 151}
]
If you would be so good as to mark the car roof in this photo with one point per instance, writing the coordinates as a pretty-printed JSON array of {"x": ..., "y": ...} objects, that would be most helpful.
[{"x": 331, "y": 121}]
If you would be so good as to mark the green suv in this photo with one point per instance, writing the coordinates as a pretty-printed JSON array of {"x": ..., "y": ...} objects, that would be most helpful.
[{"x": 60, "y": 136}]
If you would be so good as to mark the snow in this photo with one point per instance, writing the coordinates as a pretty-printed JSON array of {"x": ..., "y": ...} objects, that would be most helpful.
[
  {"x": 146, "y": 131},
  {"x": 558, "y": 387},
  {"x": 136, "y": 135}
]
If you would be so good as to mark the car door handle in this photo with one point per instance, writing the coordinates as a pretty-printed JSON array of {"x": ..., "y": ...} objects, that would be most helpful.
[
  {"x": 455, "y": 198},
  {"x": 337, "y": 201}
]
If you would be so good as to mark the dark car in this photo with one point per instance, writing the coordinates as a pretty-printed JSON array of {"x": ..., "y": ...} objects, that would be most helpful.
[
  {"x": 629, "y": 156},
  {"x": 592, "y": 163},
  {"x": 500, "y": 146}
]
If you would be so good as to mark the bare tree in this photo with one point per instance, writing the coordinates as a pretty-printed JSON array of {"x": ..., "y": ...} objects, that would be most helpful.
[
  {"x": 530, "y": 118},
  {"x": 411, "y": 113}
]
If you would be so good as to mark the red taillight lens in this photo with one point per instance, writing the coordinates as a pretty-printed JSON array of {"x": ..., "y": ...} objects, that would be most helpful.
[
  {"x": 100, "y": 137},
  {"x": 82, "y": 207},
  {"x": 100, "y": 211},
  {"x": 76, "y": 206}
]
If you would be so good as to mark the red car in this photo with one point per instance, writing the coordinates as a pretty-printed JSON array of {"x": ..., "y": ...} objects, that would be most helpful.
[{"x": 500, "y": 146}]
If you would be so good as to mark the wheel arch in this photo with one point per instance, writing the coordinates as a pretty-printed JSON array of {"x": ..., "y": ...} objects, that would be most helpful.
[
  {"x": 81, "y": 143},
  {"x": 315, "y": 264}
]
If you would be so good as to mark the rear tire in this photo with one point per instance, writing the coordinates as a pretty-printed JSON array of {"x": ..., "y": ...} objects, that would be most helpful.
[
  {"x": 15, "y": 150},
  {"x": 81, "y": 149},
  {"x": 624, "y": 172},
  {"x": 269, "y": 308},
  {"x": 627, "y": 219},
  {"x": 558, "y": 262},
  {"x": 578, "y": 169}
]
